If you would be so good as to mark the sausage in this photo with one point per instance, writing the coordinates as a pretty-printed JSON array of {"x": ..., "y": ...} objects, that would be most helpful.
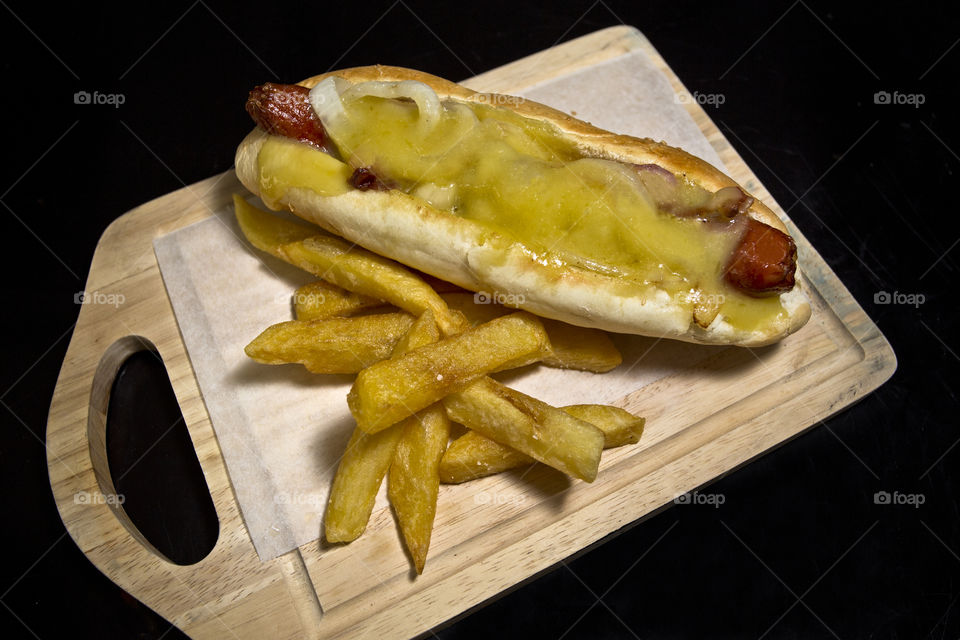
[
  {"x": 285, "y": 110},
  {"x": 764, "y": 263}
]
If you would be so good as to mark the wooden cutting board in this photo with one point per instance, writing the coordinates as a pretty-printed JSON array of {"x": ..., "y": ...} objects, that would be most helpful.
[{"x": 747, "y": 401}]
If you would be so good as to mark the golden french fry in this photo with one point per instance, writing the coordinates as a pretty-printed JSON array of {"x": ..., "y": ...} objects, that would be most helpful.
[
  {"x": 571, "y": 347},
  {"x": 422, "y": 332},
  {"x": 391, "y": 390},
  {"x": 355, "y": 487},
  {"x": 321, "y": 299},
  {"x": 415, "y": 480},
  {"x": 545, "y": 433},
  {"x": 474, "y": 456},
  {"x": 343, "y": 264},
  {"x": 619, "y": 426},
  {"x": 333, "y": 345},
  {"x": 580, "y": 348},
  {"x": 269, "y": 232},
  {"x": 366, "y": 461},
  {"x": 362, "y": 271}
]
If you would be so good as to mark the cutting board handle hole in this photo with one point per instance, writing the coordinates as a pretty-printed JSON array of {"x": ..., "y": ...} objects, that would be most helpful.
[{"x": 144, "y": 458}]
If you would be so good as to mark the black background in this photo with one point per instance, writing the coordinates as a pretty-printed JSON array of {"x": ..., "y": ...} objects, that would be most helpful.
[{"x": 799, "y": 548}]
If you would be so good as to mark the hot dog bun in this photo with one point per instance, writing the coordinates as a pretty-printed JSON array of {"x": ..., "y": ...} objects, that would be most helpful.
[{"x": 404, "y": 228}]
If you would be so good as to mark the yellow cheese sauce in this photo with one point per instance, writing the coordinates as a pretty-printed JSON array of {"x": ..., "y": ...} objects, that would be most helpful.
[
  {"x": 284, "y": 162},
  {"x": 523, "y": 179}
]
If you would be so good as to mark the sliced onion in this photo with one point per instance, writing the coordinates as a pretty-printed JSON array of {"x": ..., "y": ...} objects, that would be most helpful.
[
  {"x": 608, "y": 169},
  {"x": 428, "y": 103},
  {"x": 626, "y": 173},
  {"x": 658, "y": 170},
  {"x": 729, "y": 201},
  {"x": 326, "y": 102},
  {"x": 461, "y": 112},
  {"x": 442, "y": 197}
]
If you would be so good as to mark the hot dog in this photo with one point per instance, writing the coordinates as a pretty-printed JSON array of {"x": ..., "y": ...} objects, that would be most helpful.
[{"x": 576, "y": 223}]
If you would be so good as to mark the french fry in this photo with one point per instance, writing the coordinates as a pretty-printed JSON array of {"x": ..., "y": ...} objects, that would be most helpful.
[
  {"x": 415, "y": 478},
  {"x": 619, "y": 426},
  {"x": 365, "y": 463},
  {"x": 422, "y": 332},
  {"x": 580, "y": 348},
  {"x": 269, "y": 232},
  {"x": 333, "y": 345},
  {"x": 391, "y": 390},
  {"x": 474, "y": 456},
  {"x": 321, "y": 299},
  {"x": 571, "y": 347},
  {"x": 358, "y": 270},
  {"x": 357, "y": 482},
  {"x": 545, "y": 433},
  {"x": 344, "y": 264}
]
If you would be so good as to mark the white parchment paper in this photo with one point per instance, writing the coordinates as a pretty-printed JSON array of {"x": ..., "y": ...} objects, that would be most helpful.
[{"x": 281, "y": 429}]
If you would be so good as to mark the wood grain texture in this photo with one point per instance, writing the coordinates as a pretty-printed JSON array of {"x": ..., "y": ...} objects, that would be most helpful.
[{"x": 490, "y": 534}]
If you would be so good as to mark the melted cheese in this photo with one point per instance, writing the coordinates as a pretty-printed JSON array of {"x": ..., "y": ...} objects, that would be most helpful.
[{"x": 285, "y": 162}]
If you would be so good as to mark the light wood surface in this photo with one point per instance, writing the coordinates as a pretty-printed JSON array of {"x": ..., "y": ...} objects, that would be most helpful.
[{"x": 490, "y": 534}]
